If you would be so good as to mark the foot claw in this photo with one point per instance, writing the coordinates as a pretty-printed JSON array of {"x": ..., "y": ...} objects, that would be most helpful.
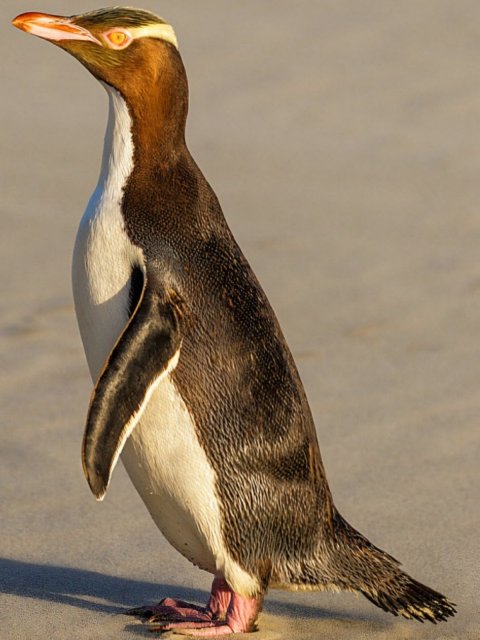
[
  {"x": 142, "y": 612},
  {"x": 169, "y": 614}
]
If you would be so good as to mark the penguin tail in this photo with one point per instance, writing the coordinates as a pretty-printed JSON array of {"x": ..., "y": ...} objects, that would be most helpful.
[{"x": 360, "y": 566}]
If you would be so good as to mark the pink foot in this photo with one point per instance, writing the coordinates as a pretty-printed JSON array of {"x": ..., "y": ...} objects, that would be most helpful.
[
  {"x": 186, "y": 628},
  {"x": 171, "y": 610},
  {"x": 240, "y": 618},
  {"x": 222, "y": 630}
]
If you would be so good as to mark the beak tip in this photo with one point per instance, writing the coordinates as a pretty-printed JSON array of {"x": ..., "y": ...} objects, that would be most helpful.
[
  {"x": 24, "y": 20},
  {"x": 18, "y": 21}
]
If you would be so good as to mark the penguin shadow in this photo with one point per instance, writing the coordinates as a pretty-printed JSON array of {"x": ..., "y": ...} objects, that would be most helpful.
[
  {"x": 113, "y": 595},
  {"x": 84, "y": 589}
]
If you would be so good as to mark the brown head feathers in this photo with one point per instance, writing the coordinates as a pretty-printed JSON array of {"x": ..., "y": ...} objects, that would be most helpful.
[{"x": 117, "y": 17}]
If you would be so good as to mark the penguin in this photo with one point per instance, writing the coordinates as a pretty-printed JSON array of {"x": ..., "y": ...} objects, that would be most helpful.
[{"x": 194, "y": 385}]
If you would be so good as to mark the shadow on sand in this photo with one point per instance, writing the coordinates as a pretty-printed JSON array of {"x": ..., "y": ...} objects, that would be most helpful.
[{"x": 84, "y": 589}]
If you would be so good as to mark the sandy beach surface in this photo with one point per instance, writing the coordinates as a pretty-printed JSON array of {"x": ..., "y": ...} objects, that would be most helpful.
[{"x": 342, "y": 138}]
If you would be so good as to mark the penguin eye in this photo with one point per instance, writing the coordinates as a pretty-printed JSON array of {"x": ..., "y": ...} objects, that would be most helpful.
[{"x": 117, "y": 39}]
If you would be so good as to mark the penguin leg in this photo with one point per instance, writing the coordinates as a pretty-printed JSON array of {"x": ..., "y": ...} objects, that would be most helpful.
[
  {"x": 240, "y": 617},
  {"x": 171, "y": 610}
]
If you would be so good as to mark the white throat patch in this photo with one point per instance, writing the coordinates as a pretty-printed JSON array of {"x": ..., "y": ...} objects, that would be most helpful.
[{"x": 117, "y": 159}]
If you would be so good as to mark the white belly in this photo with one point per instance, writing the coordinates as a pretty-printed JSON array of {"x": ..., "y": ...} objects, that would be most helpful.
[
  {"x": 171, "y": 473},
  {"x": 162, "y": 456}
]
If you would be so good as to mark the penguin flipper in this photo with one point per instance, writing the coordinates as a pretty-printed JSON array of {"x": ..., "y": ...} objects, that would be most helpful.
[{"x": 146, "y": 351}]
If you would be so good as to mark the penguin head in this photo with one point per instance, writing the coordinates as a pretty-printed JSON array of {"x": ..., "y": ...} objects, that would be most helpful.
[{"x": 126, "y": 48}]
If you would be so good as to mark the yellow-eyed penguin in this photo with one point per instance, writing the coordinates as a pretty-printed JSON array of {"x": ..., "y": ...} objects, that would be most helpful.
[{"x": 195, "y": 385}]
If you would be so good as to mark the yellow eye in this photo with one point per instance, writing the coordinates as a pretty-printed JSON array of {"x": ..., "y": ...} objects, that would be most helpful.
[{"x": 117, "y": 37}]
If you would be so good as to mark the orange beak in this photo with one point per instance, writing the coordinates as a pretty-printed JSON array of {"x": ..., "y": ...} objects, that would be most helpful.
[{"x": 51, "y": 27}]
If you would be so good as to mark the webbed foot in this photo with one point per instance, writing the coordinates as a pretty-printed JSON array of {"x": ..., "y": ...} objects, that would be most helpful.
[
  {"x": 171, "y": 610},
  {"x": 240, "y": 617},
  {"x": 227, "y": 612}
]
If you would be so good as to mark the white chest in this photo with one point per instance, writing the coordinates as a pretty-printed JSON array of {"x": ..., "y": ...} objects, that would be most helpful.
[{"x": 104, "y": 256}]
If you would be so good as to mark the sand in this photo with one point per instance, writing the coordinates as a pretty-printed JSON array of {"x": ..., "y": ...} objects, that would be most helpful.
[{"x": 342, "y": 139}]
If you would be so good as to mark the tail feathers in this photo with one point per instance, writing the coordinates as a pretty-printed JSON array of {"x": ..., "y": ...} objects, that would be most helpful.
[
  {"x": 406, "y": 597},
  {"x": 377, "y": 575}
]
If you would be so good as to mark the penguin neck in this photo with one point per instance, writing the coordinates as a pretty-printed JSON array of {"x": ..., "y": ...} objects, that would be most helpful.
[
  {"x": 148, "y": 137},
  {"x": 159, "y": 112}
]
